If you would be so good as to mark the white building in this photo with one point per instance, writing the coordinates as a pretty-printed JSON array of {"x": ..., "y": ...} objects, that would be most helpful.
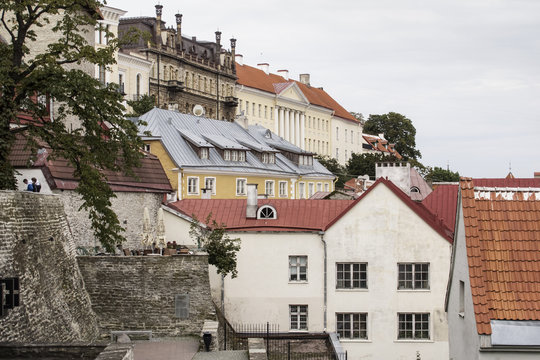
[{"x": 374, "y": 269}]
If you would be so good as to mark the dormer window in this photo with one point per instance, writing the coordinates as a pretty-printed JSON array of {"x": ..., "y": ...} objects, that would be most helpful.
[
  {"x": 234, "y": 155},
  {"x": 266, "y": 212},
  {"x": 227, "y": 155},
  {"x": 375, "y": 144},
  {"x": 305, "y": 160},
  {"x": 268, "y": 158},
  {"x": 203, "y": 153}
]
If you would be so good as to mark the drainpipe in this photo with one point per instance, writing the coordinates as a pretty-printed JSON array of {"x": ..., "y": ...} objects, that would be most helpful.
[{"x": 325, "y": 297}]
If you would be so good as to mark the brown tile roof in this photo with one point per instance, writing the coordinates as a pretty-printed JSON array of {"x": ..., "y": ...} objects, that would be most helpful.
[
  {"x": 150, "y": 177},
  {"x": 502, "y": 233},
  {"x": 379, "y": 144},
  {"x": 275, "y": 84}
]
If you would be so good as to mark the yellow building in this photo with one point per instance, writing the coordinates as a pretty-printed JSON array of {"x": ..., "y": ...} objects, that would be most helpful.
[
  {"x": 304, "y": 115},
  {"x": 206, "y": 158}
]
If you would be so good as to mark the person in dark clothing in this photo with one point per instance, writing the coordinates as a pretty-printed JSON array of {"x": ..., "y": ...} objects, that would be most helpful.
[
  {"x": 29, "y": 187},
  {"x": 36, "y": 185}
]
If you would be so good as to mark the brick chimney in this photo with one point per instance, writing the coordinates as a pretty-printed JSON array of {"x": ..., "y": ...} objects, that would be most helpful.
[
  {"x": 251, "y": 208},
  {"x": 284, "y": 73},
  {"x": 264, "y": 67},
  {"x": 304, "y": 79},
  {"x": 159, "y": 9}
]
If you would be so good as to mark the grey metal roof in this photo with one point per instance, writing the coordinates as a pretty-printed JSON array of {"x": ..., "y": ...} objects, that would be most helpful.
[{"x": 176, "y": 129}]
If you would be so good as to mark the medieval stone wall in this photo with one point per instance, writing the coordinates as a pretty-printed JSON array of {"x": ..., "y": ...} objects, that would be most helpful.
[
  {"x": 169, "y": 295},
  {"x": 36, "y": 246}
]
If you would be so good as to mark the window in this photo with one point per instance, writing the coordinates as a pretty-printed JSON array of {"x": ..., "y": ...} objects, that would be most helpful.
[
  {"x": 101, "y": 74},
  {"x": 203, "y": 153},
  {"x": 326, "y": 187},
  {"x": 146, "y": 147},
  {"x": 121, "y": 83},
  {"x": 227, "y": 155},
  {"x": 461, "y": 298},
  {"x": 138, "y": 87},
  {"x": 413, "y": 326},
  {"x": 337, "y": 153},
  {"x": 253, "y": 109},
  {"x": 269, "y": 188},
  {"x": 352, "y": 326},
  {"x": 413, "y": 276},
  {"x": 260, "y": 110},
  {"x": 298, "y": 315},
  {"x": 351, "y": 275},
  {"x": 345, "y": 137},
  {"x": 319, "y": 186},
  {"x": 247, "y": 107},
  {"x": 345, "y": 154},
  {"x": 193, "y": 185},
  {"x": 311, "y": 189},
  {"x": 210, "y": 183},
  {"x": 265, "y": 112},
  {"x": 352, "y": 137},
  {"x": 282, "y": 189},
  {"x": 301, "y": 190},
  {"x": 241, "y": 156},
  {"x": 239, "y": 106},
  {"x": 266, "y": 212},
  {"x": 234, "y": 155},
  {"x": 241, "y": 186},
  {"x": 297, "y": 268},
  {"x": 337, "y": 133}
]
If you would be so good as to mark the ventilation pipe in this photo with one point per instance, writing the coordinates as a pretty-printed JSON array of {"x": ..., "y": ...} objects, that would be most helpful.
[{"x": 251, "y": 208}]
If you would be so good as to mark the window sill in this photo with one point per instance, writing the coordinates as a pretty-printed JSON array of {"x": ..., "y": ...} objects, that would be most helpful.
[
  {"x": 299, "y": 282},
  {"x": 413, "y": 341},
  {"x": 352, "y": 290},
  {"x": 414, "y": 290},
  {"x": 298, "y": 331},
  {"x": 341, "y": 340}
]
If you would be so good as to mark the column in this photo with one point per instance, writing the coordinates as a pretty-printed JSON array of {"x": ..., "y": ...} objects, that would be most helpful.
[
  {"x": 293, "y": 132},
  {"x": 303, "y": 131},
  {"x": 297, "y": 128},
  {"x": 281, "y": 122},
  {"x": 276, "y": 121},
  {"x": 286, "y": 132}
]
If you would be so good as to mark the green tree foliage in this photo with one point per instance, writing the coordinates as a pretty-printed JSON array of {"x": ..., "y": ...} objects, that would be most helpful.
[
  {"x": 335, "y": 168},
  {"x": 141, "y": 106},
  {"x": 364, "y": 164},
  {"x": 106, "y": 140},
  {"x": 213, "y": 238},
  {"x": 438, "y": 174},
  {"x": 398, "y": 130},
  {"x": 358, "y": 116}
]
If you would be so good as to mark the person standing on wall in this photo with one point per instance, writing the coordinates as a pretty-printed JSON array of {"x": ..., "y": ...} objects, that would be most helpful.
[{"x": 36, "y": 185}]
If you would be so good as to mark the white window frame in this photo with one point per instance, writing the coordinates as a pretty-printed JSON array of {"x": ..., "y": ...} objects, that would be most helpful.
[
  {"x": 272, "y": 188},
  {"x": 296, "y": 270},
  {"x": 347, "y": 326},
  {"x": 295, "y": 315},
  {"x": 346, "y": 271},
  {"x": 146, "y": 147},
  {"x": 311, "y": 189},
  {"x": 301, "y": 190},
  {"x": 326, "y": 187},
  {"x": 234, "y": 156},
  {"x": 195, "y": 185},
  {"x": 266, "y": 212},
  {"x": 204, "y": 153},
  {"x": 213, "y": 183},
  {"x": 227, "y": 155},
  {"x": 319, "y": 186},
  {"x": 244, "y": 181},
  {"x": 416, "y": 320},
  {"x": 405, "y": 268},
  {"x": 241, "y": 156},
  {"x": 284, "y": 187}
]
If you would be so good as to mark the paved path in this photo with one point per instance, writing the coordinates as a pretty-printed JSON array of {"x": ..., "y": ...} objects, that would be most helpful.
[
  {"x": 222, "y": 355},
  {"x": 164, "y": 349}
]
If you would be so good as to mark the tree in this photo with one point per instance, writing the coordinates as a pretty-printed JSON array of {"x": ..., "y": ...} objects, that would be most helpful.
[
  {"x": 364, "y": 164},
  {"x": 332, "y": 165},
  {"x": 438, "y": 174},
  {"x": 105, "y": 140},
  {"x": 358, "y": 116},
  {"x": 142, "y": 105},
  {"x": 397, "y": 129},
  {"x": 213, "y": 238}
]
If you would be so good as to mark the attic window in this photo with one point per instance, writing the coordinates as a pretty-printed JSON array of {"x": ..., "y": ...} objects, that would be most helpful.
[
  {"x": 234, "y": 155},
  {"x": 268, "y": 158},
  {"x": 268, "y": 134},
  {"x": 266, "y": 212},
  {"x": 305, "y": 160},
  {"x": 415, "y": 189},
  {"x": 203, "y": 153}
]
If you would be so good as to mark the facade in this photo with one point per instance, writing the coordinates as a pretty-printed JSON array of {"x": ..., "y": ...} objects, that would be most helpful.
[
  {"x": 108, "y": 24},
  {"x": 493, "y": 301},
  {"x": 185, "y": 71},
  {"x": 133, "y": 76},
  {"x": 304, "y": 115},
  {"x": 205, "y": 158},
  {"x": 373, "y": 270}
]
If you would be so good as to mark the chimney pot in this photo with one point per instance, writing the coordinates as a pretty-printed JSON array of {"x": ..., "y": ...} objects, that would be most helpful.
[
  {"x": 251, "y": 208},
  {"x": 264, "y": 67},
  {"x": 284, "y": 73},
  {"x": 304, "y": 79}
]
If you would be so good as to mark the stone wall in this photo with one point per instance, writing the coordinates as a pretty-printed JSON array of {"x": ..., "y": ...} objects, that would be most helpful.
[
  {"x": 36, "y": 246},
  {"x": 128, "y": 206},
  {"x": 140, "y": 292}
]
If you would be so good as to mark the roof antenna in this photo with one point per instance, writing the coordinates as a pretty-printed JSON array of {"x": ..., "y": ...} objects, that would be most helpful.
[
  {"x": 510, "y": 166},
  {"x": 447, "y": 165}
]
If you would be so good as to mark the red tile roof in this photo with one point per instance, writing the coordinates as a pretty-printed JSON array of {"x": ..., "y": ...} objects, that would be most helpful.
[
  {"x": 502, "y": 234},
  {"x": 293, "y": 215},
  {"x": 150, "y": 177},
  {"x": 379, "y": 144},
  {"x": 275, "y": 84},
  {"x": 442, "y": 202},
  {"x": 508, "y": 182}
]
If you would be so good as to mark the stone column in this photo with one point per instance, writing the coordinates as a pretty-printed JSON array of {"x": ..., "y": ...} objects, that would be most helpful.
[
  {"x": 286, "y": 133},
  {"x": 276, "y": 121},
  {"x": 297, "y": 128},
  {"x": 281, "y": 122},
  {"x": 303, "y": 131}
]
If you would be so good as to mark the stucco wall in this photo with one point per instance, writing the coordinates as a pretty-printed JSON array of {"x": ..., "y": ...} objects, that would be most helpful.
[
  {"x": 382, "y": 231},
  {"x": 138, "y": 292},
  {"x": 36, "y": 246},
  {"x": 129, "y": 208}
]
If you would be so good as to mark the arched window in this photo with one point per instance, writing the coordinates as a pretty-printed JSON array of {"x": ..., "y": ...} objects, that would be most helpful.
[
  {"x": 415, "y": 189},
  {"x": 266, "y": 212}
]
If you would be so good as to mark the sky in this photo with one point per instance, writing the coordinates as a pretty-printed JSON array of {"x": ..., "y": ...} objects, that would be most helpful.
[{"x": 466, "y": 72}]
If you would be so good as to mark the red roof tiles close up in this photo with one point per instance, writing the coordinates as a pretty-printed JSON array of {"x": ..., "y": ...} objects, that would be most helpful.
[{"x": 502, "y": 230}]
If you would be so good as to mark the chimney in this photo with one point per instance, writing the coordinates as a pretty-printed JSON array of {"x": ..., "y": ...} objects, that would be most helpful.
[
  {"x": 251, "y": 208},
  {"x": 159, "y": 9},
  {"x": 179, "y": 30},
  {"x": 239, "y": 59},
  {"x": 284, "y": 73},
  {"x": 218, "y": 39},
  {"x": 264, "y": 67},
  {"x": 233, "y": 48},
  {"x": 304, "y": 79}
]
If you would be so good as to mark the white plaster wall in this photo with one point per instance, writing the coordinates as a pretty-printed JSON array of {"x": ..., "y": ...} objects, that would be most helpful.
[
  {"x": 29, "y": 174},
  {"x": 395, "y": 172},
  {"x": 177, "y": 229},
  {"x": 382, "y": 231},
  {"x": 262, "y": 292},
  {"x": 344, "y": 143}
]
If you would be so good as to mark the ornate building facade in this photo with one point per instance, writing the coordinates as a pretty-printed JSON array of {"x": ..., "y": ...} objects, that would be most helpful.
[{"x": 186, "y": 71}]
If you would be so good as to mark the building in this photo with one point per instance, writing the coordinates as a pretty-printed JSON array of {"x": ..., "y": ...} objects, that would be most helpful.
[
  {"x": 493, "y": 300},
  {"x": 374, "y": 270},
  {"x": 185, "y": 71},
  {"x": 302, "y": 114},
  {"x": 133, "y": 193},
  {"x": 217, "y": 159}
]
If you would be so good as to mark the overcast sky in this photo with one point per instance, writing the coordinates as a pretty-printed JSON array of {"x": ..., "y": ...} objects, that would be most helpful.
[{"x": 466, "y": 72}]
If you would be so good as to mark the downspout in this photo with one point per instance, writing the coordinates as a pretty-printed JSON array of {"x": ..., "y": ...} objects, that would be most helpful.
[
  {"x": 334, "y": 183},
  {"x": 325, "y": 297}
]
